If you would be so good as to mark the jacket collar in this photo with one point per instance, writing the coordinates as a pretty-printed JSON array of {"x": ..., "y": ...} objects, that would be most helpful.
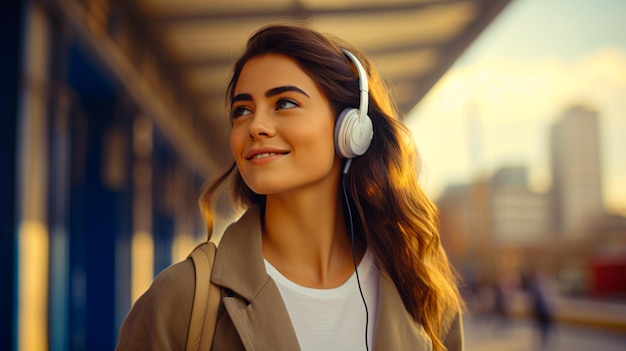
[
  {"x": 256, "y": 307},
  {"x": 239, "y": 264}
]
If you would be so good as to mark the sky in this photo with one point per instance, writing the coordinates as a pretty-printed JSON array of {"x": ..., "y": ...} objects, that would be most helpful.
[{"x": 495, "y": 106}]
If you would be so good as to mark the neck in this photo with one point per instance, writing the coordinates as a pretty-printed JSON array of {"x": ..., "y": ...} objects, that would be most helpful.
[{"x": 306, "y": 238}]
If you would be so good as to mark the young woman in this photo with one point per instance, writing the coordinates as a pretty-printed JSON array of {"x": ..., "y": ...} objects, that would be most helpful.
[{"x": 338, "y": 248}]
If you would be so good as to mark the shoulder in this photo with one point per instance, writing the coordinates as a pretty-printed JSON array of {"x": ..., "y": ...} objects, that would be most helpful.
[
  {"x": 176, "y": 282},
  {"x": 161, "y": 315}
]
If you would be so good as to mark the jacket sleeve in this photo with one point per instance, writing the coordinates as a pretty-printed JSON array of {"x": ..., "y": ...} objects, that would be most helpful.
[
  {"x": 453, "y": 336},
  {"x": 159, "y": 320}
]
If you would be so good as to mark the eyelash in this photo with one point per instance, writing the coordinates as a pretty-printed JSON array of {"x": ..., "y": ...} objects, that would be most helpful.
[
  {"x": 286, "y": 99},
  {"x": 235, "y": 113}
]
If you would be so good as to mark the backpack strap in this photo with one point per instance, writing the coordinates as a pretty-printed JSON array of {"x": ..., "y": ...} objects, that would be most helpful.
[{"x": 206, "y": 299}]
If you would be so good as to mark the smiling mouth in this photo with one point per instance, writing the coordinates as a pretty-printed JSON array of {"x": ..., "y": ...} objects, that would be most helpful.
[{"x": 265, "y": 155}]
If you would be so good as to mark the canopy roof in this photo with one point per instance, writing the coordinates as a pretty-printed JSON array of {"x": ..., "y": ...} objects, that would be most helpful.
[{"x": 175, "y": 57}]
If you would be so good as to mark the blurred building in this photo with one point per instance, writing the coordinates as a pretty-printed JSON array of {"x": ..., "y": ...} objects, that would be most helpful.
[
  {"x": 498, "y": 224},
  {"x": 455, "y": 226},
  {"x": 576, "y": 171},
  {"x": 518, "y": 214},
  {"x": 490, "y": 221}
]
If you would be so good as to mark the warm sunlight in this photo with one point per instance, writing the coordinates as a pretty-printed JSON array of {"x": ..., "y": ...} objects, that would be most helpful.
[
  {"x": 142, "y": 263},
  {"x": 33, "y": 286}
]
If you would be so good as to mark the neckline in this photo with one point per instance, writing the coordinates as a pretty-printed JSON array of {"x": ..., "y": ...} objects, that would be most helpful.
[{"x": 345, "y": 288}]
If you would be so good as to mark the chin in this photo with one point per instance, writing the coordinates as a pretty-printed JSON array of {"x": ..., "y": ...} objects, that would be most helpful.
[{"x": 266, "y": 187}]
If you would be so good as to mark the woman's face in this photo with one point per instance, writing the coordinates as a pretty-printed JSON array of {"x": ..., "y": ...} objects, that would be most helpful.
[{"x": 282, "y": 127}]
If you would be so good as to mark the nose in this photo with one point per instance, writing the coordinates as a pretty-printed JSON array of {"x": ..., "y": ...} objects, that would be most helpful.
[{"x": 261, "y": 125}]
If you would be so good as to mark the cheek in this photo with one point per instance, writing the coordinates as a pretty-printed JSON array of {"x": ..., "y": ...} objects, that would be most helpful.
[
  {"x": 329, "y": 134},
  {"x": 319, "y": 142},
  {"x": 237, "y": 141}
]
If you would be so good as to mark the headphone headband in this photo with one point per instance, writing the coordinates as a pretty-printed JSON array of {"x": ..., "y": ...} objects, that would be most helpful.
[{"x": 363, "y": 83}]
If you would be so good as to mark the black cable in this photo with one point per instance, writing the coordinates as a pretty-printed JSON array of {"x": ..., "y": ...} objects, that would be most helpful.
[{"x": 356, "y": 271}]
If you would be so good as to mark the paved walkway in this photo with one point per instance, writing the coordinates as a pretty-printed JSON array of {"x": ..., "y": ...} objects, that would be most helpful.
[{"x": 490, "y": 334}]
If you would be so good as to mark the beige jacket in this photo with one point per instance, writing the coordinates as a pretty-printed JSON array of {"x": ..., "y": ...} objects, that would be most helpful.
[{"x": 252, "y": 315}]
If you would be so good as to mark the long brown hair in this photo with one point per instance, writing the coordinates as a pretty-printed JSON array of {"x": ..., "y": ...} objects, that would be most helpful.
[{"x": 395, "y": 218}]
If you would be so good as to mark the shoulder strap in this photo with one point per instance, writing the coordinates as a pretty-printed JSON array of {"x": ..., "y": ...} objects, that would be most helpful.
[{"x": 206, "y": 299}]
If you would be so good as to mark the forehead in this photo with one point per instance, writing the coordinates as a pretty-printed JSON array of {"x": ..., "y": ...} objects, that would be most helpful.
[{"x": 272, "y": 70}]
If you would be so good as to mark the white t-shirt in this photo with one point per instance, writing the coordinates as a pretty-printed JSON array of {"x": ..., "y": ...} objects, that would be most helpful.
[{"x": 332, "y": 319}]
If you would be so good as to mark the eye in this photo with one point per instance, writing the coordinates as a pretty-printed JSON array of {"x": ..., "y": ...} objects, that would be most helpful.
[
  {"x": 286, "y": 103},
  {"x": 239, "y": 111}
]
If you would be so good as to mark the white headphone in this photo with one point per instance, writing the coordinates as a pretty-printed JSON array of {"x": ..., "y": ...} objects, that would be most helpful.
[{"x": 353, "y": 128}]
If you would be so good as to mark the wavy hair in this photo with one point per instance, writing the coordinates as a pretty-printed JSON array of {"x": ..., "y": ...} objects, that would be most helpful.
[{"x": 395, "y": 218}]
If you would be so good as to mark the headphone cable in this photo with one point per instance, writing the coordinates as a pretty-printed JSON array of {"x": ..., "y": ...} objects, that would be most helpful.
[{"x": 356, "y": 271}]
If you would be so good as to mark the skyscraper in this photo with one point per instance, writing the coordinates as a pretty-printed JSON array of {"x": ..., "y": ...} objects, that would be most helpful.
[{"x": 576, "y": 172}]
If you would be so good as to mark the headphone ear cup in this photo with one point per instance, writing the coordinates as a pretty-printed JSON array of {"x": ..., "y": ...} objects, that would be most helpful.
[
  {"x": 353, "y": 135},
  {"x": 340, "y": 132}
]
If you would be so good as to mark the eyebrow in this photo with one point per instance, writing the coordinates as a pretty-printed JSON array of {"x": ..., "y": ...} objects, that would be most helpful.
[
  {"x": 269, "y": 93},
  {"x": 284, "y": 89}
]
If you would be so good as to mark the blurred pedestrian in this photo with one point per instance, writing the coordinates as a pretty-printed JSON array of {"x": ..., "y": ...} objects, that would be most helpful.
[
  {"x": 540, "y": 292},
  {"x": 500, "y": 304}
]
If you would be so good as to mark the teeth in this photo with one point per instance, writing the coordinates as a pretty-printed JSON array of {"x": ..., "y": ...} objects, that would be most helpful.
[{"x": 266, "y": 154}]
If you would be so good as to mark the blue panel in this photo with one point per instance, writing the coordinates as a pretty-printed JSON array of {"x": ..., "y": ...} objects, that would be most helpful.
[
  {"x": 86, "y": 78},
  {"x": 11, "y": 18},
  {"x": 99, "y": 216},
  {"x": 163, "y": 165}
]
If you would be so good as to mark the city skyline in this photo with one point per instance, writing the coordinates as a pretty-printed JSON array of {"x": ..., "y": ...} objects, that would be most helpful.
[{"x": 495, "y": 106}]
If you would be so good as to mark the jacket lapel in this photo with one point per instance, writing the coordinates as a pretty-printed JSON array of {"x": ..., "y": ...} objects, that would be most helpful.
[
  {"x": 395, "y": 327},
  {"x": 255, "y": 306}
]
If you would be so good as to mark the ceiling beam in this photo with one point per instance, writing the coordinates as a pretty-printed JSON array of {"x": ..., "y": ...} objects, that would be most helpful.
[
  {"x": 298, "y": 11},
  {"x": 227, "y": 60}
]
